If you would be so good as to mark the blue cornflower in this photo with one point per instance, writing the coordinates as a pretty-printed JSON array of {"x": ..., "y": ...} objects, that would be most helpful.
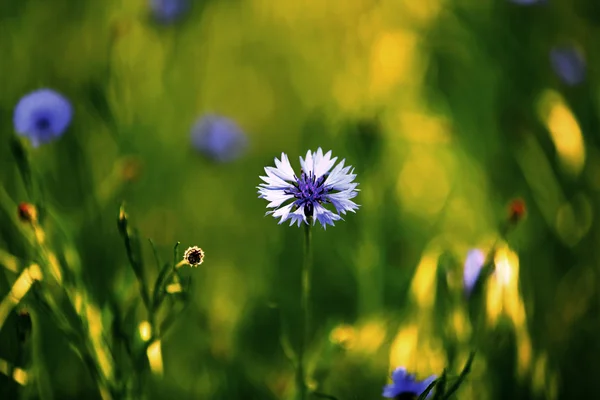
[
  {"x": 473, "y": 265},
  {"x": 568, "y": 63},
  {"x": 317, "y": 185},
  {"x": 219, "y": 138},
  {"x": 167, "y": 11},
  {"x": 405, "y": 385},
  {"x": 42, "y": 116}
]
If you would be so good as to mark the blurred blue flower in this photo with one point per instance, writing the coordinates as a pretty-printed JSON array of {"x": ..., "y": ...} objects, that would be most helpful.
[
  {"x": 473, "y": 265},
  {"x": 218, "y": 138},
  {"x": 405, "y": 385},
  {"x": 167, "y": 11},
  {"x": 568, "y": 63},
  {"x": 315, "y": 186},
  {"x": 42, "y": 116}
]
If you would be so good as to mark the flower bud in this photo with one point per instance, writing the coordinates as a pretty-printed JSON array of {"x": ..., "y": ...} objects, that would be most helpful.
[
  {"x": 27, "y": 212},
  {"x": 516, "y": 210},
  {"x": 194, "y": 256}
]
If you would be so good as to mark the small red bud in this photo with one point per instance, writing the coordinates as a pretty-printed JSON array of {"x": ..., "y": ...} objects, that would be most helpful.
[
  {"x": 27, "y": 212},
  {"x": 516, "y": 210}
]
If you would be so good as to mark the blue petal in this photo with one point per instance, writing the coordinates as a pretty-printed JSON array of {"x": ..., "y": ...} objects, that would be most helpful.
[
  {"x": 324, "y": 216},
  {"x": 390, "y": 391},
  {"x": 42, "y": 116},
  {"x": 568, "y": 64},
  {"x": 472, "y": 269},
  {"x": 399, "y": 374}
]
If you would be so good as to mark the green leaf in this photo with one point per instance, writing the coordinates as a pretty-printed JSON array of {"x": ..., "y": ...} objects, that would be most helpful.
[
  {"x": 428, "y": 390},
  {"x": 440, "y": 387},
  {"x": 22, "y": 160},
  {"x": 155, "y": 252},
  {"x": 159, "y": 290},
  {"x": 463, "y": 375},
  {"x": 176, "y": 254},
  {"x": 134, "y": 253}
]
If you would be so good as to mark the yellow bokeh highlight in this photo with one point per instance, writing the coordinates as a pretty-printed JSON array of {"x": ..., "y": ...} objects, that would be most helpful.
[
  {"x": 145, "y": 330},
  {"x": 343, "y": 335},
  {"x": 404, "y": 346},
  {"x": 564, "y": 131},
  {"x": 19, "y": 290},
  {"x": 461, "y": 325},
  {"x": 503, "y": 298},
  {"x": 20, "y": 376},
  {"x": 96, "y": 331},
  {"x": 154, "y": 353},
  {"x": 174, "y": 288},
  {"x": 77, "y": 302},
  {"x": 422, "y": 288},
  {"x": 393, "y": 61},
  {"x": 370, "y": 337},
  {"x": 9, "y": 261},
  {"x": 420, "y": 127}
]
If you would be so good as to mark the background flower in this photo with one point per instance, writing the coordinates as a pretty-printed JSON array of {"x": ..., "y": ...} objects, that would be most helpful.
[
  {"x": 219, "y": 138},
  {"x": 405, "y": 383},
  {"x": 168, "y": 11},
  {"x": 472, "y": 269},
  {"x": 568, "y": 63},
  {"x": 42, "y": 116}
]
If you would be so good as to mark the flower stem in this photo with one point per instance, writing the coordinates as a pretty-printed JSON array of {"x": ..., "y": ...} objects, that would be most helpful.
[{"x": 305, "y": 307}]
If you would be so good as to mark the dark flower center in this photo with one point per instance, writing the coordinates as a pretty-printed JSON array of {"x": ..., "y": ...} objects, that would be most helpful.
[
  {"x": 308, "y": 190},
  {"x": 406, "y": 396},
  {"x": 194, "y": 257},
  {"x": 42, "y": 123}
]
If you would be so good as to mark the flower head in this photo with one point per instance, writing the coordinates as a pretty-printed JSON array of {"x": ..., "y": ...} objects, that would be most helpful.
[
  {"x": 405, "y": 385},
  {"x": 568, "y": 63},
  {"x": 317, "y": 185},
  {"x": 42, "y": 116},
  {"x": 516, "y": 210},
  {"x": 167, "y": 11},
  {"x": 219, "y": 138},
  {"x": 194, "y": 256},
  {"x": 27, "y": 212},
  {"x": 472, "y": 269}
]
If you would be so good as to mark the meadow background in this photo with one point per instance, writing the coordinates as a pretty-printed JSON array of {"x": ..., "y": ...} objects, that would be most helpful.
[{"x": 446, "y": 109}]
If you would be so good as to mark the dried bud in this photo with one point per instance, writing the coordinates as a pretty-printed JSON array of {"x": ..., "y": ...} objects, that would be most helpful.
[
  {"x": 516, "y": 210},
  {"x": 27, "y": 212},
  {"x": 194, "y": 256}
]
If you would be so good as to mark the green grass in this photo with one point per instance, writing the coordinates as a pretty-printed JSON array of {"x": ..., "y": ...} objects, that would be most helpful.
[{"x": 437, "y": 106}]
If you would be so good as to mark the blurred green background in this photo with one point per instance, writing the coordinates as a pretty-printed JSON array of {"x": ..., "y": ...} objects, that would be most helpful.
[{"x": 446, "y": 109}]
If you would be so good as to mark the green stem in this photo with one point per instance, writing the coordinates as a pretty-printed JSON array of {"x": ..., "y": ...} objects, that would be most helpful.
[{"x": 305, "y": 306}]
